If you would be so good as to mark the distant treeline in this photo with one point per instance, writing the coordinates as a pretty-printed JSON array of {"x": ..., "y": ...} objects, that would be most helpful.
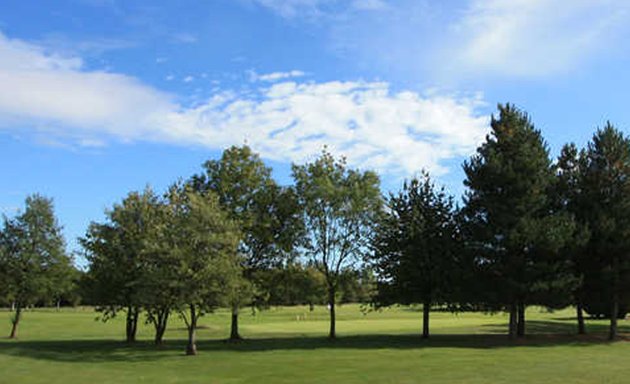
[{"x": 530, "y": 231}]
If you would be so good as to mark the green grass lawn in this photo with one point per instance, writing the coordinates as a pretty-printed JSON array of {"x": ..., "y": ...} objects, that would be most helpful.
[{"x": 288, "y": 345}]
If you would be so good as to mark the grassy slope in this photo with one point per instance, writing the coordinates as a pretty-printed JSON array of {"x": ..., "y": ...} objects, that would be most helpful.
[{"x": 288, "y": 345}]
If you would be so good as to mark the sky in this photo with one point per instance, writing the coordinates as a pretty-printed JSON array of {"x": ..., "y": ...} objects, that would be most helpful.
[{"x": 102, "y": 97}]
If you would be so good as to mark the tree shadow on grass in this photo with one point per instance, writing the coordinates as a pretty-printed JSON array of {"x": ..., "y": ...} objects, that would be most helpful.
[
  {"x": 542, "y": 334},
  {"x": 541, "y": 328}
]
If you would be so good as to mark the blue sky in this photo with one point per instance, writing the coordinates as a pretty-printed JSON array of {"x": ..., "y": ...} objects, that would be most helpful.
[{"x": 101, "y": 97}]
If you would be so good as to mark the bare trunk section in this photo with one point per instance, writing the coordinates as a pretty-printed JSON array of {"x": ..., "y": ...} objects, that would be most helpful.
[
  {"x": 332, "y": 334},
  {"x": 234, "y": 335},
  {"x": 580, "y": 319},
  {"x": 614, "y": 313},
  {"x": 513, "y": 321},
  {"x": 520, "y": 326},
  {"x": 614, "y": 308},
  {"x": 160, "y": 321},
  {"x": 15, "y": 321},
  {"x": 132, "y": 323},
  {"x": 191, "y": 348},
  {"x": 426, "y": 308}
]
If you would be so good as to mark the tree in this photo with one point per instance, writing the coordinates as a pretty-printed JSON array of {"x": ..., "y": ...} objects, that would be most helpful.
[
  {"x": 340, "y": 207},
  {"x": 267, "y": 214},
  {"x": 416, "y": 248},
  {"x": 32, "y": 256},
  {"x": 117, "y": 252},
  {"x": 204, "y": 243},
  {"x": 515, "y": 235},
  {"x": 606, "y": 189},
  {"x": 570, "y": 200}
]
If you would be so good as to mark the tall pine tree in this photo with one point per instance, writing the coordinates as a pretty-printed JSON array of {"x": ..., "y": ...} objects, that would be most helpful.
[{"x": 515, "y": 235}]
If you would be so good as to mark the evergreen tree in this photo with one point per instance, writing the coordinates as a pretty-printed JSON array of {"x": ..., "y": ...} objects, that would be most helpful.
[
  {"x": 416, "y": 248},
  {"x": 515, "y": 235},
  {"x": 606, "y": 189},
  {"x": 570, "y": 200}
]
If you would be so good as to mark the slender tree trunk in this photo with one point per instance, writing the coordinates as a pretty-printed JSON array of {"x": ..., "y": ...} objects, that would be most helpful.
[
  {"x": 13, "y": 306},
  {"x": 191, "y": 348},
  {"x": 520, "y": 328},
  {"x": 332, "y": 334},
  {"x": 580, "y": 319},
  {"x": 58, "y": 305},
  {"x": 513, "y": 321},
  {"x": 160, "y": 325},
  {"x": 614, "y": 309},
  {"x": 234, "y": 335},
  {"x": 614, "y": 312},
  {"x": 132, "y": 324},
  {"x": 16, "y": 321},
  {"x": 426, "y": 308}
]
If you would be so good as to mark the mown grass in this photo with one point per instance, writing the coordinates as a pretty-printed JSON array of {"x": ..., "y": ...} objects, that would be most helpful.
[{"x": 289, "y": 345}]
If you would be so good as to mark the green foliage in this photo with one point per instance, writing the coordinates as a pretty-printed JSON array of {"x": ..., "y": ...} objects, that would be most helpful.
[
  {"x": 513, "y": 231},
  {"x": 606, "y": 208},
  {"x": 340, "y": 208},
  {"x": 267, "y": 215},
  {"x": 33, "y": 261},
  {"x": 416, "y": 248}
]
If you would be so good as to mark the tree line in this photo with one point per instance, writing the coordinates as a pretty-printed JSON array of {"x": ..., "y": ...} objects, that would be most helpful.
[{"x": 530, "y": 230}]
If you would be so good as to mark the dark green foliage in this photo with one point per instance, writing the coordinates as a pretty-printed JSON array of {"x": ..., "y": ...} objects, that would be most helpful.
[
  {"x": 340, "y": 207},
  {"x": 201, "y": 240},
  {"x": 416, "y": 248},
  {"x": 513, "y": 231},
  {"x": 118, "y": 253},
  {"x": 33, "y": 262},
  {"x": 606, "y": 208}
]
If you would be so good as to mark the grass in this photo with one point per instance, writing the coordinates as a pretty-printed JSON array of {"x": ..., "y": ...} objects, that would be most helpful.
[{"x": 288, "y": 345}]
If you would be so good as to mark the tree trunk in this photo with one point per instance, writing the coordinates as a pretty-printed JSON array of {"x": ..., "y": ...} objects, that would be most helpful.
[
  {"x": 513, "y": 321},
  {"x": 311, "y": 306},
  {"x": 58, "y": 305},
  {"x": 16, "y": 321},
  {"x": 132, "y": 324},
  {"x": 614, "y": 312},
  {"x": 160, "y": 323},
  {"x": 520, "y": 327},
  {"x": 426, "y": 308},
  {"x": 191, "y": 348},
  {"x": 13, "y": 306},
  {"x": 614, "y": 308},
  {"x": 234, "y": 335},
  {"x": 580, "y": 319},
  {"x": 332, "y": 334}
]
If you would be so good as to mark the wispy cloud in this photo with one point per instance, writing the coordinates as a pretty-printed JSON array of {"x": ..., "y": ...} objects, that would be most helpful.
[
  {"x": 374, "y": 126},
  {"x": 535, "y": 37},
  {"x": 314, "y": 9},
  {"x": 274, "y": 76},
  {"x": 468, "y": 39}
]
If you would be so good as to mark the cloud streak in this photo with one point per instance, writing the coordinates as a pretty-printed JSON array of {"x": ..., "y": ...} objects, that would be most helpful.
[{"x": 374, "y": 126}]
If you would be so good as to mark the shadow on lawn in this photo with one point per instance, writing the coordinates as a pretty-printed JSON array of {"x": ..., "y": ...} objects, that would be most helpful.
[{"x": 542, "y": 334}]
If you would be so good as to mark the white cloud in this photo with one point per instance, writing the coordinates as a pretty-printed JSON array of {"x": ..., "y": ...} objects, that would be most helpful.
[
  {"x": 371, "y": 124},
  {"x": 188, "y": 79},
  {"x": 275, "y": 76},
  {"x": 535, "y": 37}
]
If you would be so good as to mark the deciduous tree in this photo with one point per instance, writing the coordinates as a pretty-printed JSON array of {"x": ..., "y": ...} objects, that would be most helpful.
[{"x": 340, "y": 207}]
